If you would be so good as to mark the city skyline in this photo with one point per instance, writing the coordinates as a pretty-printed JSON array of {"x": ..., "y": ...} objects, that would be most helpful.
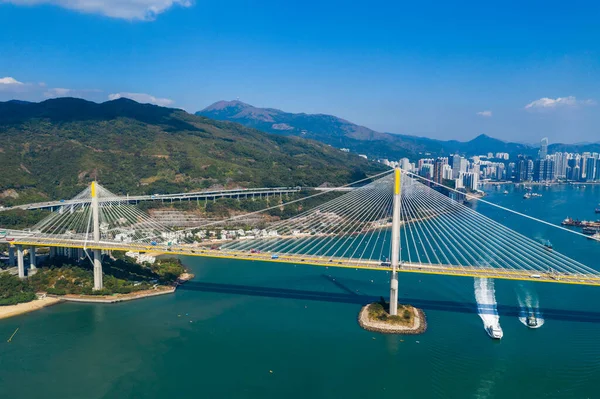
[
  {"x": 460, "y": 172},
  {"x": 412, "y": 70}
]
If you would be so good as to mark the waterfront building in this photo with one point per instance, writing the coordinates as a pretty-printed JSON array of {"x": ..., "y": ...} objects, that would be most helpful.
[{"x": 543, "y": 170}]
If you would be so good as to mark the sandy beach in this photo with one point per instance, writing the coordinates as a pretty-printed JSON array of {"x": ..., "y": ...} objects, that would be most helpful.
[{"x": 21, "y": 308}]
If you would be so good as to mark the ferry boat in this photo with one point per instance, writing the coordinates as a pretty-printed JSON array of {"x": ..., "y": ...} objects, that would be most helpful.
[
  {"x": 531, "y": 321},
  {"x": 591, "y": 230},
  {"x": 494, "y": 332}
]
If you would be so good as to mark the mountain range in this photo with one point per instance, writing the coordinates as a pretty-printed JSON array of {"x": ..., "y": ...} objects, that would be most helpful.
[
  {"x": 53, "y": 149},
  {"x": 341, "y": 133}
]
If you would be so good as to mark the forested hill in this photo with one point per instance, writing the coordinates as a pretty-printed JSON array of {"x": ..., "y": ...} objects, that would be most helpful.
[{"x": 53, "y": 149}]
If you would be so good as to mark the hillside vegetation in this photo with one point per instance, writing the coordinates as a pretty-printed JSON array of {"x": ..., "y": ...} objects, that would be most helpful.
[{"x": 53, "y": 149}]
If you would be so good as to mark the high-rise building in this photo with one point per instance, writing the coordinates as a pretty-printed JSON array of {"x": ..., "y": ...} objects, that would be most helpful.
[
  {"x": 543, "y": 170},
  {"x": 405, "y": 164},
  {"x": 524, "y": 170},
  {"x": 447, "y": 172},
  {"x": 455, "y": 161},
  {"x": 590, "y": 169},
  {"x": 500, "y": 171},
  {"x": 576, "y": 173},
  {"x": 510, "y": 171},
  {"x": 471, "y": 180},
  {"x": 560, "y": 165},
  {"x": 438, "y": 170},
  {"x": 426, "y": 170},
  {"x": 543, "y": 148},
  {"x": 529, "y": 170}
]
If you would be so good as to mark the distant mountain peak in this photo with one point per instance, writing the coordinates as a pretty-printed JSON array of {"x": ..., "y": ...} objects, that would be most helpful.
[{"x": 223, "y": 104}]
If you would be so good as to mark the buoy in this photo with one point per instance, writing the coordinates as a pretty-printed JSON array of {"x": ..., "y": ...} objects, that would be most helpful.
[{"x": 271, "y": 371}]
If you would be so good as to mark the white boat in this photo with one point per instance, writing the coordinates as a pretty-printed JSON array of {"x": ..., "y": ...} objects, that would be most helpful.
[
  {"x": 494, "y": 331},
  {"x": 505, "y": 191},
  {"x": 596, "y": 237},
  {"x": 531, "y": 321}
]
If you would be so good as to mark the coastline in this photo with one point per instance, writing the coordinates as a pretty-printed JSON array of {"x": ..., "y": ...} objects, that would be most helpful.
[
  {"x": 116, "y": 297},
  {"x": 50, "y": 300},
  {"x": 419, "y": 327},
  {"x": 26, "y": 307}
]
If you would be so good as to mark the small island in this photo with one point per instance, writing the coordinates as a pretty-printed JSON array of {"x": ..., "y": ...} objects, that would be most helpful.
[{"x": 375, "y": 317}]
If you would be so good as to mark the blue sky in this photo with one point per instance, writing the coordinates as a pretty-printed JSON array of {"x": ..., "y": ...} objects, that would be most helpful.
[{"x": 452, "y": 70}]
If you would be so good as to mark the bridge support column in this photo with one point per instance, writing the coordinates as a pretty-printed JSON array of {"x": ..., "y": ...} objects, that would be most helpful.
[
  {"x": 52, "y": 252},
  {"x": 395, "y": 255},
  {"x": 11, "y": 255},
  {"x": 97, "y": 254},
  {"x": 32, "y": 259},
  {"x": 20, "y": 261},
  {"x": 97, "y": 270}
]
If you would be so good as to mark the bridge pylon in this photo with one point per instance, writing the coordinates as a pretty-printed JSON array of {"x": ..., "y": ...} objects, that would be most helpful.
[
  {"x": 97, "y": 253},
  {"x": 395, "y": 250}
]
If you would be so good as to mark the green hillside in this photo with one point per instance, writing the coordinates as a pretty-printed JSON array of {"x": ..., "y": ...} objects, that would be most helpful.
[{"x": 53, "y": 149}]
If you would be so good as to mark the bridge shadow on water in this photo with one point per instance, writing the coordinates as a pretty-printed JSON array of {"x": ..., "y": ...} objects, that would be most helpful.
[{"x": 358, "y": 299}]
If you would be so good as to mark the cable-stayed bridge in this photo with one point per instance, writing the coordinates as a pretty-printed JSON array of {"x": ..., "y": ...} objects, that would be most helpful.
[
  {"x": 391, "y": 222},
  {"x": 169, "y": 198}
]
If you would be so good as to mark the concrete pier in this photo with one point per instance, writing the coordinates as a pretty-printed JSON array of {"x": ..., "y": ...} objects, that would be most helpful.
[
  {"x": 32, "y": 259},
  {"x": 97, "y": 253},
  {"x": 11, "y": 256},
  {"x": 20, "y": 261},
  {"x": 98, "y": 270}
]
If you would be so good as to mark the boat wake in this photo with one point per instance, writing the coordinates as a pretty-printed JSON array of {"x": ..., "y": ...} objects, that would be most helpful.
[
  {"x": 529, "y": 304},
  {"x": 485, "y": 295}
]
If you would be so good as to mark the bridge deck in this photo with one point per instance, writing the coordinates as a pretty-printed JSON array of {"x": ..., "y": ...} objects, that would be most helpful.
[
  {"x": 162, "y": 197},
  {"x": 406, "y": 267}
]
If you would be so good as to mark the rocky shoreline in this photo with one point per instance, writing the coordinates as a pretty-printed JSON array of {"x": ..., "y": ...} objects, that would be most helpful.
[{"x": 387, "y": 328}]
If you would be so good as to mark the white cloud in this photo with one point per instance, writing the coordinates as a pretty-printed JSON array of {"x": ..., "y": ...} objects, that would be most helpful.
[
  {"x": 57, "y": 92},
  {"x": 560, "y": 102},
  {"x": 142, "y": 98},
  {"x": 9, "y": 81},
  {"x": 145, "y": 10},
  {"x": 9, "y": 84},
  {"x": 62, "y": 92},
  {"x": 487, "y": 114}
]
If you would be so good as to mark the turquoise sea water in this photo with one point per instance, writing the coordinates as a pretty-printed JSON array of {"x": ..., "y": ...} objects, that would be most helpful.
[{"x": 261, "y": 330}]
